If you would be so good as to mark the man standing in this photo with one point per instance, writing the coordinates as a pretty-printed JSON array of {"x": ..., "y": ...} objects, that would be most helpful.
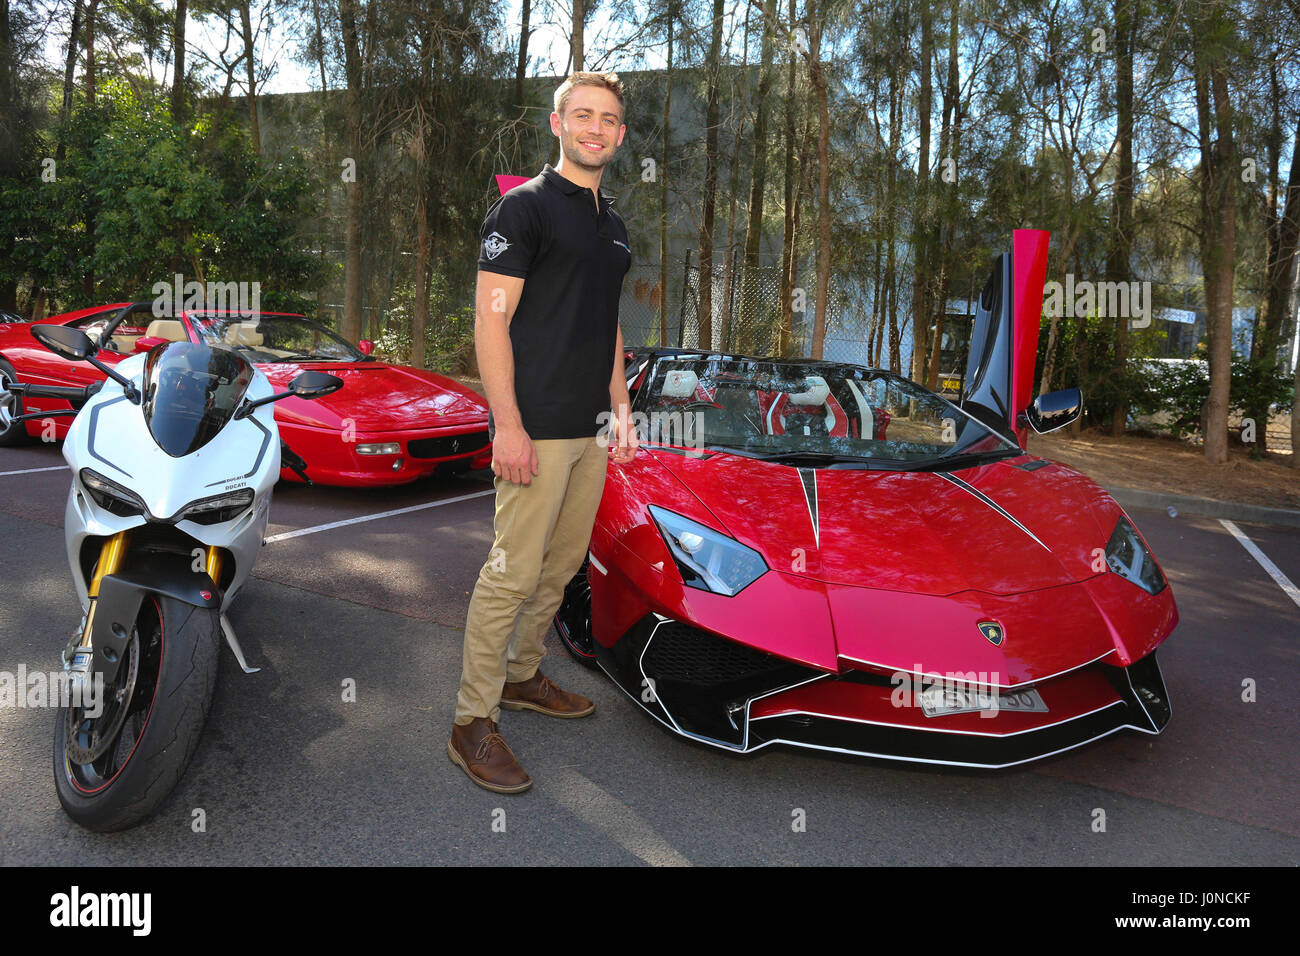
[{"x": 550, "y": 352}]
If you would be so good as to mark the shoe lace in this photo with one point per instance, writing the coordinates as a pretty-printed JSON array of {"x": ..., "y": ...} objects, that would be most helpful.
[{"x": 487, "y": 743}]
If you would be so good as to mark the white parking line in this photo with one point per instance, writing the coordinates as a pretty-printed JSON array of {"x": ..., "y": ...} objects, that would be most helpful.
[
  {"x": 1273, "y": 570},
  {"x": 607, "y": 813},
  {"x": 375, "y": 517},
  {"x": 32, "y": 471}
]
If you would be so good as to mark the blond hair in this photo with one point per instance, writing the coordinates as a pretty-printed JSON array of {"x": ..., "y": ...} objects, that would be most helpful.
[{"x": 607, "y": 81}]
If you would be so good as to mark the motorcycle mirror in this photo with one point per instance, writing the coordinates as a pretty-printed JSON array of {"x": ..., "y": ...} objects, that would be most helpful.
[
  {"x": 71, "y": 344},
  {"x": 1054, "y": 410},
  {"x": 315, "y": 384}
]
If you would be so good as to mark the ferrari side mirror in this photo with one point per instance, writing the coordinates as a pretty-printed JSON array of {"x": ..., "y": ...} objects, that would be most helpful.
[
  {"x": 366, "y": 346},
  {"x": 1053, "y": 410}
]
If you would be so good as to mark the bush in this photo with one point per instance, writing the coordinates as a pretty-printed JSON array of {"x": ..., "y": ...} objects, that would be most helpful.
[
  {"x": 448, "y": 336},
  {"x": 1180, "y": 388}
]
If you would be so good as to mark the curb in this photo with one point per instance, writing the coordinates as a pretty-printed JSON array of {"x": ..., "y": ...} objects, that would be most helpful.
[{"x": 1205, "y": 507}]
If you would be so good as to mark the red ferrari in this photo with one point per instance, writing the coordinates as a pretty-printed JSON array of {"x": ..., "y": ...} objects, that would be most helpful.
[
  {"x": 388, "y": 425},
  {"x": 828, "y": 556}
]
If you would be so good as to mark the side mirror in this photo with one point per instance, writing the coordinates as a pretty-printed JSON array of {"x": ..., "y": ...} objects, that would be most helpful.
[
  {"x": 366, "y": 346},
  {"x": 145, "y": 342},
  {"x": 71, "y": 344},
  {"x": 314, "y": 384},
  {"x": 1054, "y": 410}
]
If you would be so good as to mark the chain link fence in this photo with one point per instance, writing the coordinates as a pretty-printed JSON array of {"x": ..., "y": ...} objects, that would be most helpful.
[{"x": 745, "y": 314}]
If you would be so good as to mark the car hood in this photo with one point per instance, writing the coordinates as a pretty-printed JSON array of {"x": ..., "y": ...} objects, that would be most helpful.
[
  {"x": 379, "y": 397},
  {"x": 996, "y": 528}
]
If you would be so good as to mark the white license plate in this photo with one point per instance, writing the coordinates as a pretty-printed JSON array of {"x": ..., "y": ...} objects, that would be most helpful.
[{"x": 939, "y": 700}]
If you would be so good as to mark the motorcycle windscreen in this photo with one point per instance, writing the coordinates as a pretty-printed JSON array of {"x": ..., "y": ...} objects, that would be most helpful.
[{"x": 190, "y": 392}]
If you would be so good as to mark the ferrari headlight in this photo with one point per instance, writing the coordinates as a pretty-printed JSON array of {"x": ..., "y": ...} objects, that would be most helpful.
[
  {"x": 218, "y": 508},
  {"x": 111, "y": 496},
  {"x": 707, "y": 559},
  {"x": 1128, "y": 557}
]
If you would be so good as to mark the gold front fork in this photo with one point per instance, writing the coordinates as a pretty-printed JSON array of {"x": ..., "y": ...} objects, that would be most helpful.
[
  {"x": 111, "y": 555},
  {"x": 212, "y": 564}
]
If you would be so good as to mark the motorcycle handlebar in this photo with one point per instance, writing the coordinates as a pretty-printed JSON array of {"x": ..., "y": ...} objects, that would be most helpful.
[{"x": 64, "y": 392}]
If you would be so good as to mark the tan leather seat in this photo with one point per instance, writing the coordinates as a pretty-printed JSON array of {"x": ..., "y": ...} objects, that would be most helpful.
[
  {"x": 243, "y": 333},
  {"x": 173, "y": 330}
]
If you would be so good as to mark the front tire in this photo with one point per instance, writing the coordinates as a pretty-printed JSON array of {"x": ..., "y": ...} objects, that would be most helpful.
[
  {"x": 174, "y": 679},
  {"x": 11, "y": 433},
  {"x": 573, "y": 619}
]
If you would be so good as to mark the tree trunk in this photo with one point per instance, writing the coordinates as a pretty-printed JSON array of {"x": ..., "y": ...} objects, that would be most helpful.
[
  {"x": 579, "y": 25},
  {"x": 947, "y": 150},
  {"x": 1218, "y": 201},
  {"x": 705, "y": 310},
  {"x": 663, "y": 181},
  {"x": 521, "y": 71},
  {"x": 921, "y": 277},
  {"x": 818, "y": 78},
  {"x": 178, "y": 74},
  {"x": 350, "y": 327},
  {"x": 891, "y": 234},
  {"x": 89, "y": 77},
  {"x": 69, "y": 76},
  {"x": 1121, "y": 233},
  {"x": 786, "y": 337},
  {"x": 749, "y": 305},
  {"x": 250, "y": 63}
]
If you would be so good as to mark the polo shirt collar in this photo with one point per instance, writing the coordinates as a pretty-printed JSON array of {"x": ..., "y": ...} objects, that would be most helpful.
[{"x": 568, "y": 186}]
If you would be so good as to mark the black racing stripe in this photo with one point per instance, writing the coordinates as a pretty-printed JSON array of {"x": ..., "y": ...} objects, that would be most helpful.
[
  {"x": 90, "y": 440},
  {"x": 967, "y": 486},
  {"x": 261, "y": 453},
  {"x": 809, "y": 478}
]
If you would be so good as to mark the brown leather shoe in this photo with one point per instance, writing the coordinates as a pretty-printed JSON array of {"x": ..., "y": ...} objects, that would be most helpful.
[
  {"x": 539, "y": 693},
  {"x": 479, "y": 750}
]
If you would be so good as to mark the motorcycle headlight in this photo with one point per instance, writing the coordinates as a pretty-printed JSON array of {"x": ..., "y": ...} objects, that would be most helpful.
[
  {"x": 708, "y": 560},
  {"x": 111, "y": 496},
  {"x": 1128, "y": 557},
  {"x": 216, "y": 509}
]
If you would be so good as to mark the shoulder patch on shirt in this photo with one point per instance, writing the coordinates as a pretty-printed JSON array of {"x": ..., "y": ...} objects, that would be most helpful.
[{"x": 494, "y": 245}]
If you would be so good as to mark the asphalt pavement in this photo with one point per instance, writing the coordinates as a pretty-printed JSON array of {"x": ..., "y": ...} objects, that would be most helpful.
[{"x": 289, "y": 772}]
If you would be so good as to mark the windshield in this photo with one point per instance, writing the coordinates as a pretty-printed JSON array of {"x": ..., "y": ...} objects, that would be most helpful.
[
  {"x": 819, "y": 411},
  {"x": 275, "y": 338},
  {"x": 190, "y": 392}
]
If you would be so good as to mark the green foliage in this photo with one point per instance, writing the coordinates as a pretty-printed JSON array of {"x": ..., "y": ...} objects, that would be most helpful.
[
  {"x": 138, "y": 199},
  {"x": 1180, "y": 388},
  {"x": 448, "y": 336}
]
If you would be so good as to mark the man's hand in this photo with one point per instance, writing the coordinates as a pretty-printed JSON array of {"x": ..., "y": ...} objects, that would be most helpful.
[
  {"x": 623, "y": 447},
  {"x": 513, "y": 456}
]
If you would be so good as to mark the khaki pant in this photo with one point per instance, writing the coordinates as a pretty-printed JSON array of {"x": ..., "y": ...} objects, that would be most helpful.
[{"x": 542, "y": 531}]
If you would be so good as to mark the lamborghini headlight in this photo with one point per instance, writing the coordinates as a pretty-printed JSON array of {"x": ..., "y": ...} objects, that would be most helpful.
[
  {"x": 707, "y": 559},
  {"x": 1128, "y": 557},
  {"x": 218, "y": 508},
  {"x": 111, "y": 496}
]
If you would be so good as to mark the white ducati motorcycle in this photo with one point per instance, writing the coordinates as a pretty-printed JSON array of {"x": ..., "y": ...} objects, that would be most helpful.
[{"x": 173, "y": 461}]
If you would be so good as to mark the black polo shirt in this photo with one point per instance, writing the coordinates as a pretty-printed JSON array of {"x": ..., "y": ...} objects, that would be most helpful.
[{"x": 573, "y": 257}]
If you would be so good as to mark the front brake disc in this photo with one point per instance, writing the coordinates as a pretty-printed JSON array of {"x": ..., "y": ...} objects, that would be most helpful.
[{"x": 89, "y": 738}]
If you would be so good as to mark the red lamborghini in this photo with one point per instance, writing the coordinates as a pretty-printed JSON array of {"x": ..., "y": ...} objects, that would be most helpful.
[
  {"x": 829, "y": 556},
  {"x": 388, "y": 425}
]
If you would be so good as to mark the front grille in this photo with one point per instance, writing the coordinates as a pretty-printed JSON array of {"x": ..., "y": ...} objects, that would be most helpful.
[
  {"x": 680, "y": 652},
  {"x": 446, "y": 446}
]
